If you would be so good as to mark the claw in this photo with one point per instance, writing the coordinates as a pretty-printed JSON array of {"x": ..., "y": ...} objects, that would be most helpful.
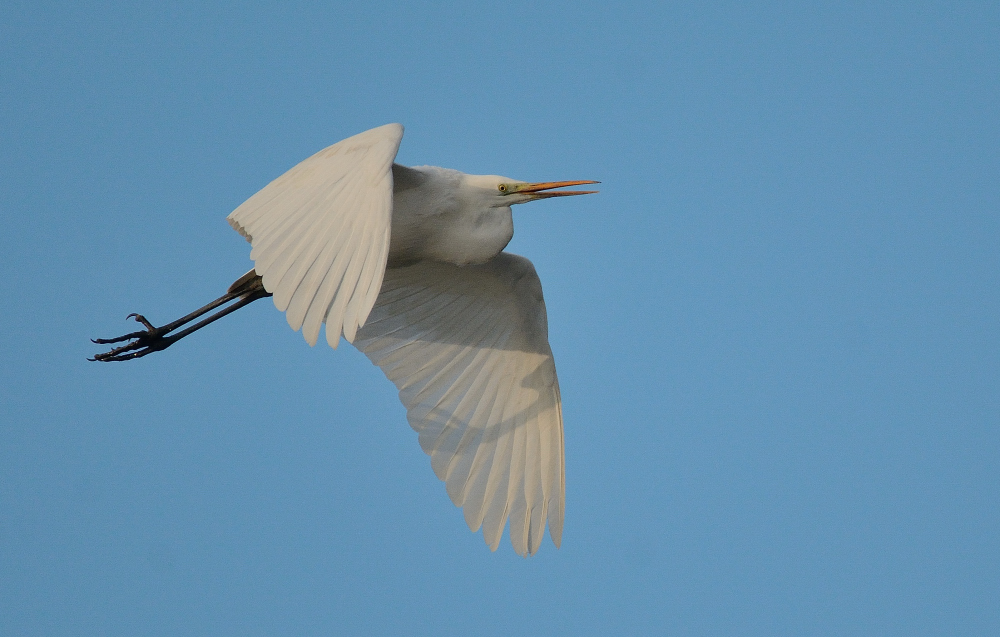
[
  {"x": 139, "y": 343},
  {"x": 132, "y": 335},
  {"x": 139, "y": 318},
  {"x": 246, "y": 290},
  {"x": 118, "y": 339}
]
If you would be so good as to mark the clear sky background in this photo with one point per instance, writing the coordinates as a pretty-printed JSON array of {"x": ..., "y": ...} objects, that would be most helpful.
[{"x": 776, "y": 328}]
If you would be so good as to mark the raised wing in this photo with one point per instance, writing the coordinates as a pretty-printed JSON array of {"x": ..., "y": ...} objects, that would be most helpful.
[
  {"x": 320, "y": 233},
  {"x": 467, "y": 347}
]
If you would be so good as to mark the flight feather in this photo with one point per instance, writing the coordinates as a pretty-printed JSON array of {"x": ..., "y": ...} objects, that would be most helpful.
[
  {"x": 320, "y": 233},
  {"x": 467, "y": 348}
]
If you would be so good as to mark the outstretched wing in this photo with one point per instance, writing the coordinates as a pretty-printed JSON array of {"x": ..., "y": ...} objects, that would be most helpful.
[
  {"x": 320, "y": 233},
  {"x": 467, "y": 347}
]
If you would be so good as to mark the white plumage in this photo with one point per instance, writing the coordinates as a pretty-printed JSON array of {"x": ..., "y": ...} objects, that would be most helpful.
[
  {"x": 467, "y": 348},
  {"x": 406, "y": 263},
  {"x": 320, "y": 233}
]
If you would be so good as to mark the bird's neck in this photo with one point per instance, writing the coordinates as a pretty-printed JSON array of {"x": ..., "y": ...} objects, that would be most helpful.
[{"x": 435, "y": 216}]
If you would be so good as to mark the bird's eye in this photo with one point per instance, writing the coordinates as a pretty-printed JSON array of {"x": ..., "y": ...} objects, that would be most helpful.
[{"x": 502, "y": 187}]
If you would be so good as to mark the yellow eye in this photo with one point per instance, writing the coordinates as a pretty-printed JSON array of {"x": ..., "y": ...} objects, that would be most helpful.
[{"x": 502, "y": 187}]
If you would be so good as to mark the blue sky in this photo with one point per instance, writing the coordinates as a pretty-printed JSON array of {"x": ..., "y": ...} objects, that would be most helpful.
[{"x": 775, "y": 328}]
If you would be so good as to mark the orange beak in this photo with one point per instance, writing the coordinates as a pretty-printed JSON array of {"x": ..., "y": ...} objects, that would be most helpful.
[{"x": 536, "y": 189}]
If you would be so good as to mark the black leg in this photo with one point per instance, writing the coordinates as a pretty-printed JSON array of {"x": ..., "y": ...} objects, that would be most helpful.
[{"x": 245, "y": 291}]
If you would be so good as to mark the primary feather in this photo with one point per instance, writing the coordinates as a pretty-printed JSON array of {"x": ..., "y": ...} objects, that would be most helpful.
[
  {"x": 467, "y": 347},
  {"x": 320, "y": 233},
  {"x": 406, "y": 263}
]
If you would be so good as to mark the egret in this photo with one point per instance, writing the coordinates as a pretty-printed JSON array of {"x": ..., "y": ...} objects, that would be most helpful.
[{"x": 408, "y": 265}]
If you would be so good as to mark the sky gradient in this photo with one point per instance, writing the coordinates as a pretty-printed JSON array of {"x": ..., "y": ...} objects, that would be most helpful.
[{"x": 776, "y": 327}]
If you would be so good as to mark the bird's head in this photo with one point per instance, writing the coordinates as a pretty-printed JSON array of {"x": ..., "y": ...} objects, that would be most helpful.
[{"x": 502, "y": 192}]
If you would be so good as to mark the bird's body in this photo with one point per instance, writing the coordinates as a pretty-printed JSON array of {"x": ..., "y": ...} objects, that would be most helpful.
[{"x": 407, "y": 264}]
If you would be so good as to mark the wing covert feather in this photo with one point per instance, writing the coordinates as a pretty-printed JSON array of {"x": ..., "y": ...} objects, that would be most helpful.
[
  {"x": 467, "y": 348},
  {"x": 320, "y": 233}
]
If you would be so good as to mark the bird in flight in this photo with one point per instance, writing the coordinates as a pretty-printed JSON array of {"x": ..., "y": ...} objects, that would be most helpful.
[{"x": 408, "y": 265}]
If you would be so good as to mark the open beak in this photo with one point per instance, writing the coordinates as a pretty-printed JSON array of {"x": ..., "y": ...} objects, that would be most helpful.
[{"x": 536, "y": 190}]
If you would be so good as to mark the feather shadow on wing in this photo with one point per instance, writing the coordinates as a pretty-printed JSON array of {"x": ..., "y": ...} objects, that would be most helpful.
[
  {"x": 467, "y": 348},
  {"x": 408, "y": 264}
]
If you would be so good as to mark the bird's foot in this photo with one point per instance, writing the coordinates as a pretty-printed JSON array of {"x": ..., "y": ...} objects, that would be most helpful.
[{"x": 153, "y": 339}]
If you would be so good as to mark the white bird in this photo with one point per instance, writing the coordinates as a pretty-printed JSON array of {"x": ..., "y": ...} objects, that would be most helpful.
[{"x": 407, "y": 264}]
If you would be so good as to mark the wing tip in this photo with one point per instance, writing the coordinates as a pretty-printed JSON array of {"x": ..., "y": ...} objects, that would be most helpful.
[
  {"x": 238, "y": 227},
  {"x": 395, "y": 126}
]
